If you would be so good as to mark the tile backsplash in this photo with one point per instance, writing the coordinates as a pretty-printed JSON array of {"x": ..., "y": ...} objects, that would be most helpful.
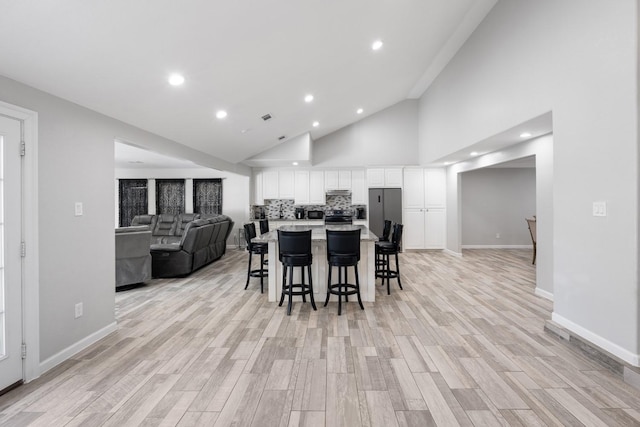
[{"x": 285, "y": 208}]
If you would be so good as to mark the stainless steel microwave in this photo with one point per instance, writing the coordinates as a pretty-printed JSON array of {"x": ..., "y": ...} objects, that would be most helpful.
[{"x": 315, "y": 214}]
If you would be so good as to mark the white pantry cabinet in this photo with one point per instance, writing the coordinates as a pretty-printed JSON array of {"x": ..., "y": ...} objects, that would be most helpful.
[{"x": 424, "y": 214}]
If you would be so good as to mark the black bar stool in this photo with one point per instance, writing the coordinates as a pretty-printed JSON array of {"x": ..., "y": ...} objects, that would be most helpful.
[
  {"x": 343, "y": 250},
  {"x": 386, "y": 231},
  {"x": 294, "y": 250},
  {"x": 259, "y": 249},
  {"x": 264, "y": 226},
  {"x": 385, "y": 249}
]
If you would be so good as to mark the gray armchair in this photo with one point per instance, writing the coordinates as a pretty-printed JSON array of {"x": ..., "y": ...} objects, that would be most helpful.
[{"x": 133, "y": 257}]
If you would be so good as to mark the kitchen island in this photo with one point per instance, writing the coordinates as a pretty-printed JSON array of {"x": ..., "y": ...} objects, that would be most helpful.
[{"x": 319, "y": 268}]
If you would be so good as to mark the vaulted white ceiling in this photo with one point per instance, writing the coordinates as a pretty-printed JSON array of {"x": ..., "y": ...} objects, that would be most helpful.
[{"x": 248, "y": 57}]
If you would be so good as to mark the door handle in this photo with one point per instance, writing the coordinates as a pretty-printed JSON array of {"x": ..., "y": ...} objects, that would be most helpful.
[{"x": 378, "y": 199}]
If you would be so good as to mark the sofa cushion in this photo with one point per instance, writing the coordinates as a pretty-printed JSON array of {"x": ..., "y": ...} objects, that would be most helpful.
[
  {"x": 166, "y": 225},
  {"x": 166, "y": 247},
  {"x": 148, "y": 220},
  {"x": 183, "y": 220}
]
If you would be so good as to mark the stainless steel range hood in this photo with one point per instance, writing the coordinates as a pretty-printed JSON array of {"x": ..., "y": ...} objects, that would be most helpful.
[{"x": 338, "y": 192}]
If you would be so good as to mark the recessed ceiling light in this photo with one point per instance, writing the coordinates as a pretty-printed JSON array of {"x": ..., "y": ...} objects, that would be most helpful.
[
  {"x": 176, "y": 79},
  {"x": 525, "y": 135},
  {"x": 295, "y": 163},
  {"x": 376, "y": 45},
  {"x": 359, "y": 111},
  {"x": 221, "y": 114},
  {"x": 316, "y": 124},
  {"x": 447, "y": 163},
  {"x": 308, "y": 98},
  {"x": 474, "y": 153}
]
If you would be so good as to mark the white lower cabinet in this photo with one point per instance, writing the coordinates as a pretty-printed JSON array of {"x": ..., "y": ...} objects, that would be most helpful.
[{"x": 424, "y": 228}]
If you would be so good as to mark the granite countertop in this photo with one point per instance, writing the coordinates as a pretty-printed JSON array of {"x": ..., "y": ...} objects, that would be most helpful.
[{"x": 318, "y": 232}]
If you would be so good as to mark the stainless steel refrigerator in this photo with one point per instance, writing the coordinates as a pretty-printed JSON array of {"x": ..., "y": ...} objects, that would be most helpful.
[{"x": 384, "y": 203}]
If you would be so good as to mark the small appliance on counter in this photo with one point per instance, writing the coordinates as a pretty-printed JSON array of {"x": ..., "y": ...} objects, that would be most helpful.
[
  {"x": 315, "y": 214},
  {"x": 361, "y": 213},
  {"x": 299, "y": 213}
]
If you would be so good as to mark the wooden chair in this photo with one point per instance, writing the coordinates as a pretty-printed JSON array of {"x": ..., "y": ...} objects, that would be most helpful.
[{"x": 531, "y": 222}]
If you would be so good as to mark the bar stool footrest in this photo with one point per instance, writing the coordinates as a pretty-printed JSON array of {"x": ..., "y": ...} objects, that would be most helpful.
[{"x": 335, "y": 289}]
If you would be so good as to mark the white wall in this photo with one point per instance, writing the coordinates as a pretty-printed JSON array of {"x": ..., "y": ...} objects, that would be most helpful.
[
  {"x": 76, "y": 164},
  {"x": 577, "y": 59},
  {"x": 235, "y": 190},
  {"x": 388, "y": 137},
  {"x": 497, "y": 201}
]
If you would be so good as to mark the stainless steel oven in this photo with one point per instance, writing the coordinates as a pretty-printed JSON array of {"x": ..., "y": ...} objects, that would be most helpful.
[{"x": 339, "y": 216}]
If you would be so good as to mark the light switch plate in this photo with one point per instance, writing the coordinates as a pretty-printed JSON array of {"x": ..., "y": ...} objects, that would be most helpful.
[
  {"x": 599, "y": 208},
  {"x": 78, "y": 208}
]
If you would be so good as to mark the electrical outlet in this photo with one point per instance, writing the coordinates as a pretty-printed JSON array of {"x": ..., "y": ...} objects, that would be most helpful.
[
  {"x": 599, "y": 208},
  {"x": 497, "y": 235},
  {"x": 78, "y": 208},
  {"x": 78, "y": 310}
]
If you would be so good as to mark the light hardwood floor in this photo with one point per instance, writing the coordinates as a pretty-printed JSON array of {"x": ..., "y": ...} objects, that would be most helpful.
[{"x": 462, "y": 344}]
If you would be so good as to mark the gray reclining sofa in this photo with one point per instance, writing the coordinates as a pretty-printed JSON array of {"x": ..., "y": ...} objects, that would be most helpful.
[{"x": 183, "y": 243}]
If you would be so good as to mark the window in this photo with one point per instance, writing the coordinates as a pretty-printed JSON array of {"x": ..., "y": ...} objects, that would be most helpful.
[
  {"x": 132, "y": 196},
  {"x": 207, "y": 196},
  {"x": 169, "y": 196}
]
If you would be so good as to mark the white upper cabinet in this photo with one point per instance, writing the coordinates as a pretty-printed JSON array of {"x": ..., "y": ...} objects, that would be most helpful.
[
  {"x": 316, "y": 188},
  {"x": 331, "y": 180},
  {"x": 393, "y": 177},
  {"x": 358, "y": 188},
  {"x": 375, "y": 177},
  {"x": 286, "y": 188},
  {"x": 258, "y": 199},
  {"x": 270, "y": 185},
  {"x": 344, "y": 180},
  {"x": 301, "y": 193},
  {"x": 337, "y": 180},
  {"x": 384, "y": 177}
]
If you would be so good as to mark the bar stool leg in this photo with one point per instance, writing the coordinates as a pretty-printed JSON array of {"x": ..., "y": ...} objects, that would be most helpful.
[
  {"x": 261, "y": 272},
  {"x": 304, "y": 297},
  {"x": 326, "y": 301},
  {"x": 398, "y": 271},
  {"x": 339, "y": 292},
  {"x": 358, "y": 287},
  {"x": 290, "y": 292},
  {"x": 248, "y": 272},
  {"x": 313, "y": 302},
  {"x": 284, "y": 283},
  {"x": 388, "y": 271}
]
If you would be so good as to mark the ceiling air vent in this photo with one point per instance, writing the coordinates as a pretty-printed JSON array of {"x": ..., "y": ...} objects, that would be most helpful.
[
  {"x": 266, "y": 117},
  {"x": 280, "y": 138}
]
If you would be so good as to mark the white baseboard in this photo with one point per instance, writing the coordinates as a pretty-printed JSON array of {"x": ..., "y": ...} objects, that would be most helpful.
[
  {"x": 544, "y": 294},
  {"x": 450, "y": 252},
  {"x": 497, "y": 247},
  {"x": 76, "y": 348},
  {"x": 615, "y": 349}
]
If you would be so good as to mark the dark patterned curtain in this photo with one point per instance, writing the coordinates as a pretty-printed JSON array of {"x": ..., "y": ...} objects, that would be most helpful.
[
  {"x": 207, "y": 196},
  {"x": 169, "y": 196},
  {"x": 132, "y": 196}
]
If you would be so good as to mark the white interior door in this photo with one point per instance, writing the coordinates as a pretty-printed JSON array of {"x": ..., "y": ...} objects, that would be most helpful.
[{"x": 10, "y": 259}]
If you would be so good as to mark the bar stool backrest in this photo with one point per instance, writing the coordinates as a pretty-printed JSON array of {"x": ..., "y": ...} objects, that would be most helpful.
[
  {"x": 264, "y": 226},
  {"x": 249, "y": 233},
  {"x": 343, "y": 243},
  {"x": 386, "y": 230},
  {"x": 396, "y": 238},
  {"x": 294, "y": 243}
]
